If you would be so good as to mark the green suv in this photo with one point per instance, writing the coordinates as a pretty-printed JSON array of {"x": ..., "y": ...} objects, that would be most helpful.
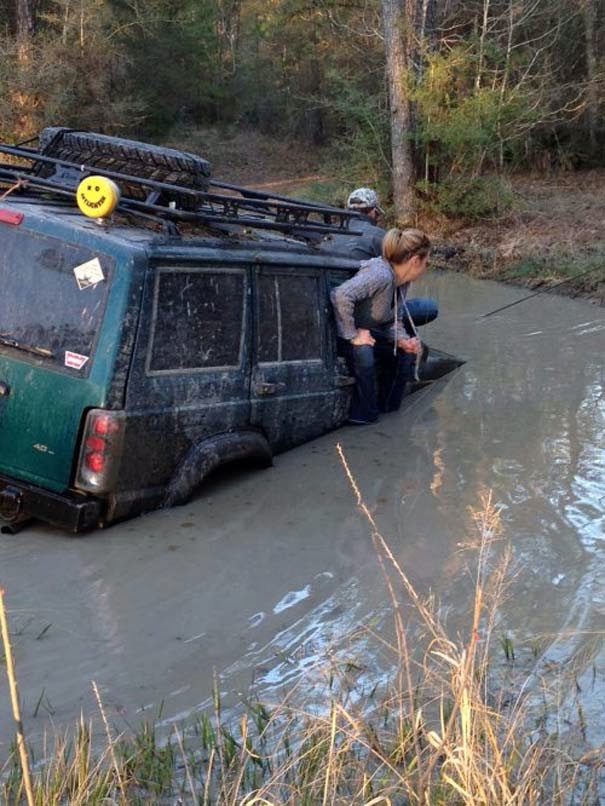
[{"x": 142, "y": 347}]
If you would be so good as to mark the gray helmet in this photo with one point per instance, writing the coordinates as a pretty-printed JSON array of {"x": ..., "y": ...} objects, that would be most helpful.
[{"x": 364, "y": 199}]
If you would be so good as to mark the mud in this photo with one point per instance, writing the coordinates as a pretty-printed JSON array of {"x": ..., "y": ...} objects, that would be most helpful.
[{"x": 268, "y": 571}]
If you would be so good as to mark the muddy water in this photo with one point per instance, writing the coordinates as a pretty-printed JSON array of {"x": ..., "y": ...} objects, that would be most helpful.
[{"x": 270, "y": 570}]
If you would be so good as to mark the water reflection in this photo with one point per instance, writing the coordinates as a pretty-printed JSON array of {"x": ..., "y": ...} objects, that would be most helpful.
[{"x": 532, "y": 418}]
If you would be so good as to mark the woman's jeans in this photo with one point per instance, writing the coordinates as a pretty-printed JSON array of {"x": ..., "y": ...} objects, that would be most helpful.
[
  {"x": 422, "y": 310},
  {"x": 382, "y": 375}
]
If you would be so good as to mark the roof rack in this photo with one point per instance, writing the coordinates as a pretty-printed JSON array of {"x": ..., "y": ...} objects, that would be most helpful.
[{"x": 163, "y": 184}]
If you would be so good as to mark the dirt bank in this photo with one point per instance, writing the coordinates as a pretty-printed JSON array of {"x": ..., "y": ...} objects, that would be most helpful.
[{"x": 556, "y": 232}]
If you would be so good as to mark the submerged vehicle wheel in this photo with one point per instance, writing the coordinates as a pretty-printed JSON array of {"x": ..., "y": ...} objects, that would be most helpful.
[{"x": 130, "y": 157}]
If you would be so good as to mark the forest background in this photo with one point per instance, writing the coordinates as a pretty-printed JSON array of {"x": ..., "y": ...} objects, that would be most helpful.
[{"x": 439, "y": 104}]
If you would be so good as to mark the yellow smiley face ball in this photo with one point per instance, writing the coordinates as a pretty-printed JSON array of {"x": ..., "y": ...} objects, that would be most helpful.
[{"x": 97, "y": 196}]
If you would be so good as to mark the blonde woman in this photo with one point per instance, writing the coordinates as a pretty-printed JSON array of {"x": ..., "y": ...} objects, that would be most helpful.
[{"x": 376, "y": 324}]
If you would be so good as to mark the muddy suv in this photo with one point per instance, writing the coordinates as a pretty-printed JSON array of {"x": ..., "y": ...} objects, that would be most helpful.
[{"x": 163, "y": 325}]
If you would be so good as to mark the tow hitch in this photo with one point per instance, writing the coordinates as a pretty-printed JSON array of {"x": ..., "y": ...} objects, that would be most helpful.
[{"x": 12, "y": 517}]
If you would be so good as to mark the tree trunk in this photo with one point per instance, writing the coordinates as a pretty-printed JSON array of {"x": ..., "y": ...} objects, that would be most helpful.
[
  {"x": 592, "y": 106},
  {"x": 427, "y": 33},
  {"x": 25, "y": 18},
  {"x": 397, "y": 70},
  {"x": 426, "y": 12},
  {"x": 229, "y": 26},
  {"x": 23, "y": 100}
]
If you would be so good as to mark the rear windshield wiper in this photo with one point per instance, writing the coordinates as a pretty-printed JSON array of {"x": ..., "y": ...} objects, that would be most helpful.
[{"x": 6, "y": 338}]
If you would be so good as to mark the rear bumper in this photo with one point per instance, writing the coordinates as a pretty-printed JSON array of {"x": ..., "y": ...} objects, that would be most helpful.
[{"x": 20, "y": 501}]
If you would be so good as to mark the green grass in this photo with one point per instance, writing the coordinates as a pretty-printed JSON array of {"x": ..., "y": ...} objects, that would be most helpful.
[{"x": 577, "y": 274}]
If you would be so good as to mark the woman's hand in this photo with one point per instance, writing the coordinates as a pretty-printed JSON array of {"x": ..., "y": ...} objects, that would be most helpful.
[
  {"x": 363, "y": 338},
  {"x": 410, "y": 345}
]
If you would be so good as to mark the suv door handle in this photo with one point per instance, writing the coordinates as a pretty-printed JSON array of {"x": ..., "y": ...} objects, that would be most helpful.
[
  {"x": 5, "y": 389},
  {"x": 343, "y": 380},
  {"x": 263, "y": 389}
]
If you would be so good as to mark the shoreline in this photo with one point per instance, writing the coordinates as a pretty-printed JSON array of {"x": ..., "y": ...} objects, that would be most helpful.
[{"x": 585, "y": 280}]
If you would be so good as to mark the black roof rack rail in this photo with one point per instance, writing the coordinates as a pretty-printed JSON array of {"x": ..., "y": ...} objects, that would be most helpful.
[{"x": 162, "y": 200}]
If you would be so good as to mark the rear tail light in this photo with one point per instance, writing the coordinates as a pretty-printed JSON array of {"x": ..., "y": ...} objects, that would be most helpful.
[
  {"x": 101, "y": 450},
  {"x": 10, "y": 217}
]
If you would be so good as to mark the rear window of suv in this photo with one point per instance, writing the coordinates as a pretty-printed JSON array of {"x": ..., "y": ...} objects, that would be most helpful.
[{"x": 52, "y": 300}]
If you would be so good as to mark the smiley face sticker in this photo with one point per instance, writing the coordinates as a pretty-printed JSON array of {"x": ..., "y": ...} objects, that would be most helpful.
[{"x": 97, "y": 196}]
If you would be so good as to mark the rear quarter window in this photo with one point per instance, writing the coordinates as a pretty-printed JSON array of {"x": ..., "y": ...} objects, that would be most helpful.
[{"x": 52, "y": 299}]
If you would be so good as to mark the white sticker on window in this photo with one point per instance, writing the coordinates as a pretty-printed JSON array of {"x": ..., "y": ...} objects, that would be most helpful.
[
  {"x": 75, "y": 360},
  {"x": 89, "y": 273}
]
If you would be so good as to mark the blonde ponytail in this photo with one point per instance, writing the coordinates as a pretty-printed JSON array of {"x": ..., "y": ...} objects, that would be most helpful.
[{"x": 399, "y": 245}]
